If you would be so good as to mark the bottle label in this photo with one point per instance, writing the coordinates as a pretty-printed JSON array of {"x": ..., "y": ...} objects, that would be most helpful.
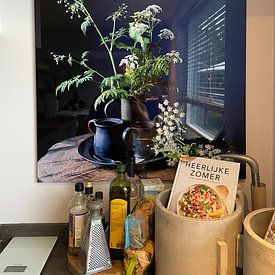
[
  {"x": 77, "y": 225},
  {"x": 118, "y": 214}
]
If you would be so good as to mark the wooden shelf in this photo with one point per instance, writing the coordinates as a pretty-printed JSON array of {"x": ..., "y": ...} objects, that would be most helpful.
[{"x": 75, "y": 267}]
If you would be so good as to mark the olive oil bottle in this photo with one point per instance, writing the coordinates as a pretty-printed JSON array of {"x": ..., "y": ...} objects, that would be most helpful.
[{"x": 119, "y": 194}]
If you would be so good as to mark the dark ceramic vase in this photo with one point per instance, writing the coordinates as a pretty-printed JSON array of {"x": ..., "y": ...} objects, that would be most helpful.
[
  {"x": 132, "y": 110},
  {"x": 109, "y": 138}
]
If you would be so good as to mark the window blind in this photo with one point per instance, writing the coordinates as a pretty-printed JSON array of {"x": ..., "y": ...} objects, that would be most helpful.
[{"x": 206, "y": 54}]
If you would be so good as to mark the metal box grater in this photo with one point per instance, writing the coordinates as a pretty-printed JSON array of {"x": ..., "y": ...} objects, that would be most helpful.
[{"x": 94, "y": 255}]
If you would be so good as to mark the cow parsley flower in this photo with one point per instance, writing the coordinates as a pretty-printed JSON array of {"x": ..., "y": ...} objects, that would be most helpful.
[
  {"x": 166, "y": 34},
  {"x": 139, "y": 28},
  {"x": 174, "y": 57},
  {"x": 170, "y": 138},
  {"x": 154, "y": 9},
  {"x": 130, "y": 61}
]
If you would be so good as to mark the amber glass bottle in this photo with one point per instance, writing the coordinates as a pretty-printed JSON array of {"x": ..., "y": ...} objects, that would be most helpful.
[{"x": 119, "y": 194}]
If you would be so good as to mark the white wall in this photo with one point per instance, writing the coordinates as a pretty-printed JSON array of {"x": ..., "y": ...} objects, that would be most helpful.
[
  {"x": 24, "y": 200},
  {"x": 260, "y": 89},
  {"x": 21, "y": 198}
]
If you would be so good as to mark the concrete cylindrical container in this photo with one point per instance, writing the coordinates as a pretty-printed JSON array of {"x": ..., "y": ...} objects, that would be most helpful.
[
  {"x": 194, "y": 246},
  {"x": 259, "y": 255}
]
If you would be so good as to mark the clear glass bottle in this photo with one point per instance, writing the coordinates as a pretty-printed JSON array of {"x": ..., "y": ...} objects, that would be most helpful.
[
  {"x": 135, "y": 185},
  {"x": 95, "y": 206},
  {"x": 119, "y": 208},
  {"x": 88, "y": 191},
  {"x": 78, "y": 214}
]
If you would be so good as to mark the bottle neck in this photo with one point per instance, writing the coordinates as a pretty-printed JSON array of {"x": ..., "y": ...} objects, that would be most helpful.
[
  {"x": 78, "y": 193},
  {"x": 121, "y": 175}
]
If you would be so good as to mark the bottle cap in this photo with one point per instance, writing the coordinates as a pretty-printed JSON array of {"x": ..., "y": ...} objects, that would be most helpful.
[
  {"x": 99, "y": 195},
  {"x": 121, "y": 168},
  {"x": 79, "y": 187},
  {"x": 88, "y": 190}
]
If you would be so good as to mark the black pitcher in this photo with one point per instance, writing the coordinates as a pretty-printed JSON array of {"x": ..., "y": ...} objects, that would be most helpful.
[{"x": 109, "y": 142}]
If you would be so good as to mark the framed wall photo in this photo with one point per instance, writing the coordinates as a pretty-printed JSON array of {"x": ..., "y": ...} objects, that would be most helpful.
[{"x": 150, "y": 54}]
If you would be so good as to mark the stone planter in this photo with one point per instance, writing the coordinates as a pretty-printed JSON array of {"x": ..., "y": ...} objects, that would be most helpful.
[
  {"x": 259, "y": 255},
  {"x": 194, "y": 246}
]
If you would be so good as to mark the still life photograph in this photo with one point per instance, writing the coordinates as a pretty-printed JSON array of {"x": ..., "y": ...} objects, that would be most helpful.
[
  {"x": 126, "y": 90},
  {"x": 146, "y": 66}
]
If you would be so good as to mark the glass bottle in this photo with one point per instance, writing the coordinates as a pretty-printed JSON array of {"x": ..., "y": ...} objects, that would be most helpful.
[
  {"x": 88, "y": 191},
  {"x": 134, "y": 199},
  {"x": 99, "y": 195},
  {"x": 95, "y": 206},
  {"x": 119, "y": 208},
  {"x": 78, "y": 214}
]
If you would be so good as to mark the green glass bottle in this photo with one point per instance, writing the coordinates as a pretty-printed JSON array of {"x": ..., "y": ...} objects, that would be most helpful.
[{"x": 119, "y": 207}]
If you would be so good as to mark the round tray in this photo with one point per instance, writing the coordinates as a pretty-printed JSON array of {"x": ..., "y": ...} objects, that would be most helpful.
[{"x": 86, "y": 150}]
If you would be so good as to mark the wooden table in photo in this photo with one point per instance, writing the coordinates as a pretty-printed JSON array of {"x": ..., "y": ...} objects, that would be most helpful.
[{"x": 63, "y": 163}]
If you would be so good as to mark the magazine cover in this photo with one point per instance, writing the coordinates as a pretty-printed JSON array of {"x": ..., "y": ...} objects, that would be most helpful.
[{"x": 202, "y": 186}]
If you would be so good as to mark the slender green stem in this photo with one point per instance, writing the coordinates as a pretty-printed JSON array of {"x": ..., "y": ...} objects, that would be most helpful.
[
  {"x": 79, "y": 63},
  {"x": 113, "y": 33},
  {"x": 86, "y": 12}
]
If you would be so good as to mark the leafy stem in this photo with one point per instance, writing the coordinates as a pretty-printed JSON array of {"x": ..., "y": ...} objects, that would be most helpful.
[
  {"x": 113, "y": 34},
  {"x": 109, "y": 50}
]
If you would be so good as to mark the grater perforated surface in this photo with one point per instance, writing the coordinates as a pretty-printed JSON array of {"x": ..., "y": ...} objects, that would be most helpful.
[{"x": 98, "y": 253}]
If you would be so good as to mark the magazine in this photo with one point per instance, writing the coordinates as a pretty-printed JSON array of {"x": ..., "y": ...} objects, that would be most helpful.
[{"x": 213, "y": 182}]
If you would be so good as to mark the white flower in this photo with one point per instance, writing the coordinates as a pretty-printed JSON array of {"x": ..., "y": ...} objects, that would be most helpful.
[
  {"x": 174, "y": 57},
  {"x": 169, "y": 108},
  {"x": 182, "y": 114},
  {"x": 154, "y": 9},
  {"x": 139, "y": 27},
  {"x": 166, "y": 34},
  {"x": 130, "y": 61},
  {"x": 172, "y": 128},
  {"x": 217, "y": 151},
  {"x": 208, "y": 147},
  {"x": 166, "y": 132},
  {"x": 176, "y": 104},
  {"x": 161, "y": 107},
  {"x": 166, "y": 102},
  {"x": 175, "y": 111},
  {"x": 158, "y": 138},
  {"x": 144, "y": 15}
]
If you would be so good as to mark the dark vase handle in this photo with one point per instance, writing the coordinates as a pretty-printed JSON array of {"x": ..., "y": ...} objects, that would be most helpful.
[{"x": 91, "y": 126}]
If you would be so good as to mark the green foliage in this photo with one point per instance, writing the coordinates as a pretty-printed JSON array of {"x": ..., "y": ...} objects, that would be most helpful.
[
  {"x": 75, "y": 81},
  {"x": 144, "y": 69},
  {"x": 85, "y": 24},
  {"x": 107, "y": 95}
]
